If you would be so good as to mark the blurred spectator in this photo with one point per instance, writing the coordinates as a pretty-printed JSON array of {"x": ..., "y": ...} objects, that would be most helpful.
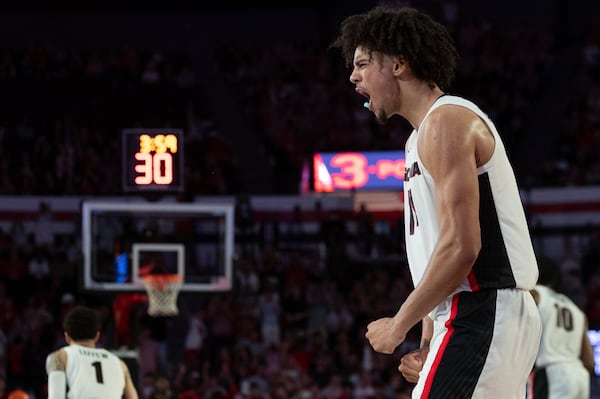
[
  {"x": 20, "y": 236},
  {"x": 43, "y": 236},
  {"x": 38, "y": 267},
  {"x": 294, "y": 310},
  {"x": 244, "y": 217},
  {"x": 194, "y": 338},
  {"x": 154, "y": 342},
  {"x": 364, "y": 232},
  {"x": 147, "y": 384},
  {"x": 150, "y": 361},
  {"x": 269, "y": 232},
  {"x": 247, "y": 281},
  {"x": 270, "y": 313},
  {"x": 162, "y": 389},
  {"x": 590, "y": 260}
]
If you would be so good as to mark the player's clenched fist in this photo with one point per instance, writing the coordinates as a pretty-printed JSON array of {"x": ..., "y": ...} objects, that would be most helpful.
[
  {"x": 382, "y": 335},
  {"x": 411, "y": 364}
]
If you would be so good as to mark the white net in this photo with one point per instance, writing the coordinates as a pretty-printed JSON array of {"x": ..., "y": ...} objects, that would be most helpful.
[{"x": 162, "y": 291}]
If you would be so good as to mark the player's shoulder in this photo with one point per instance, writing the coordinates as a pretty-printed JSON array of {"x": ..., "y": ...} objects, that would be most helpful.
[
  {"x": 451, "y": 133},
  {"x": 56, "y": 360},
  {"x": 555, "y": 295},
  {"x": 455, "y": 117},
  {"x": 60, "y": 352}
]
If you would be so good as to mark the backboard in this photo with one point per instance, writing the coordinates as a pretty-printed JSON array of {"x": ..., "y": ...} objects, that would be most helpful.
[{"x": 124, "y": 241}]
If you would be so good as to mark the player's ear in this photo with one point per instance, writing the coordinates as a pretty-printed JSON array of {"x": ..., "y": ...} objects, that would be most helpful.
[
  {"x": 400, "y": 65},
  {"x": 68, "y": 338},
  {"x": 97, "y": 337}
]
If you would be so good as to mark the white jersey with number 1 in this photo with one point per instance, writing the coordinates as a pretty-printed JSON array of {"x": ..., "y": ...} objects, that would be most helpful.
[{"x": 93, "y": 373}]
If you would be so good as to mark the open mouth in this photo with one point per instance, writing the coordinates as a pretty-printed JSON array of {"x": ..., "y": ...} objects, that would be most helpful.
[{"x": 367, "y": 103}]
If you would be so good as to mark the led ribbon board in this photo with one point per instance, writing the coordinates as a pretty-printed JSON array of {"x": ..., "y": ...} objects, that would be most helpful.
[{"x": 339, "y": 171}]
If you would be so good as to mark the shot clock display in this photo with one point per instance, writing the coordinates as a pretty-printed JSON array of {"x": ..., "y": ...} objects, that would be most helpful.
[
  {"x": 152, "y": 159},
  {"x": 379, "y": 170}
]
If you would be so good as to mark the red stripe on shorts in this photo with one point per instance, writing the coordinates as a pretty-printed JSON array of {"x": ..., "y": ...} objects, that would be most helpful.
[
  {"x": 440, "y": 352},
  {"x": 473, "y": 281}
]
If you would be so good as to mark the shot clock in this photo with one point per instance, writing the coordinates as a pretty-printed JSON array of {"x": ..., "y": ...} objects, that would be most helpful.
[
  {"x": 340, "y": 171},
  {"x": 152, "y": 160}
]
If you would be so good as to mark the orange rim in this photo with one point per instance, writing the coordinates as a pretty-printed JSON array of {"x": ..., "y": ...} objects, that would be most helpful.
[{"x": 159, "y": 281}]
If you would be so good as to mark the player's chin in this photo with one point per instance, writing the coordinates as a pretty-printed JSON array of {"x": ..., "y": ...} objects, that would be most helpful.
[{"x": 381, "y": 117}]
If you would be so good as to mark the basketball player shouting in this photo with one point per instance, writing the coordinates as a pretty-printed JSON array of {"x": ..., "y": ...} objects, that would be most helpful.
[{"x": 468, "y": 245}]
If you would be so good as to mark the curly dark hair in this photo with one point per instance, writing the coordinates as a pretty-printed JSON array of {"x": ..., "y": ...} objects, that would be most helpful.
[
  {"x": 81, "y": 323},
  {"x": 424, "y": 43}
]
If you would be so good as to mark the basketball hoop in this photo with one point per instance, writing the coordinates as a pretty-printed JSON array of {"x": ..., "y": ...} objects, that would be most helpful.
[{"x": 162, "y": 290}]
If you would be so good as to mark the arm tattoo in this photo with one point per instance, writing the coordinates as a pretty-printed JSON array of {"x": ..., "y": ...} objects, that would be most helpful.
[{"x": 55, "y": 362}]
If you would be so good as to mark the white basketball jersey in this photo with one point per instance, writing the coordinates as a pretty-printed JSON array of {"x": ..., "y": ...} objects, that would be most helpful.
[
  {"x": 562, "y": 328},
  {"x": 93, "y": 373},
  {"x": 506, "y": 259}
]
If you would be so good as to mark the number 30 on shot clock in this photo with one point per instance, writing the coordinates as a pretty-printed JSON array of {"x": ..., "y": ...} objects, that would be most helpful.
[{"x": 152, "y": 160}]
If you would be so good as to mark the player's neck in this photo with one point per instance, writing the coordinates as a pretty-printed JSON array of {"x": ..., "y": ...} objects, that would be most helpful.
[
  {"x": 88, "y": 343},
  {"x": 420, "y": 99}
]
